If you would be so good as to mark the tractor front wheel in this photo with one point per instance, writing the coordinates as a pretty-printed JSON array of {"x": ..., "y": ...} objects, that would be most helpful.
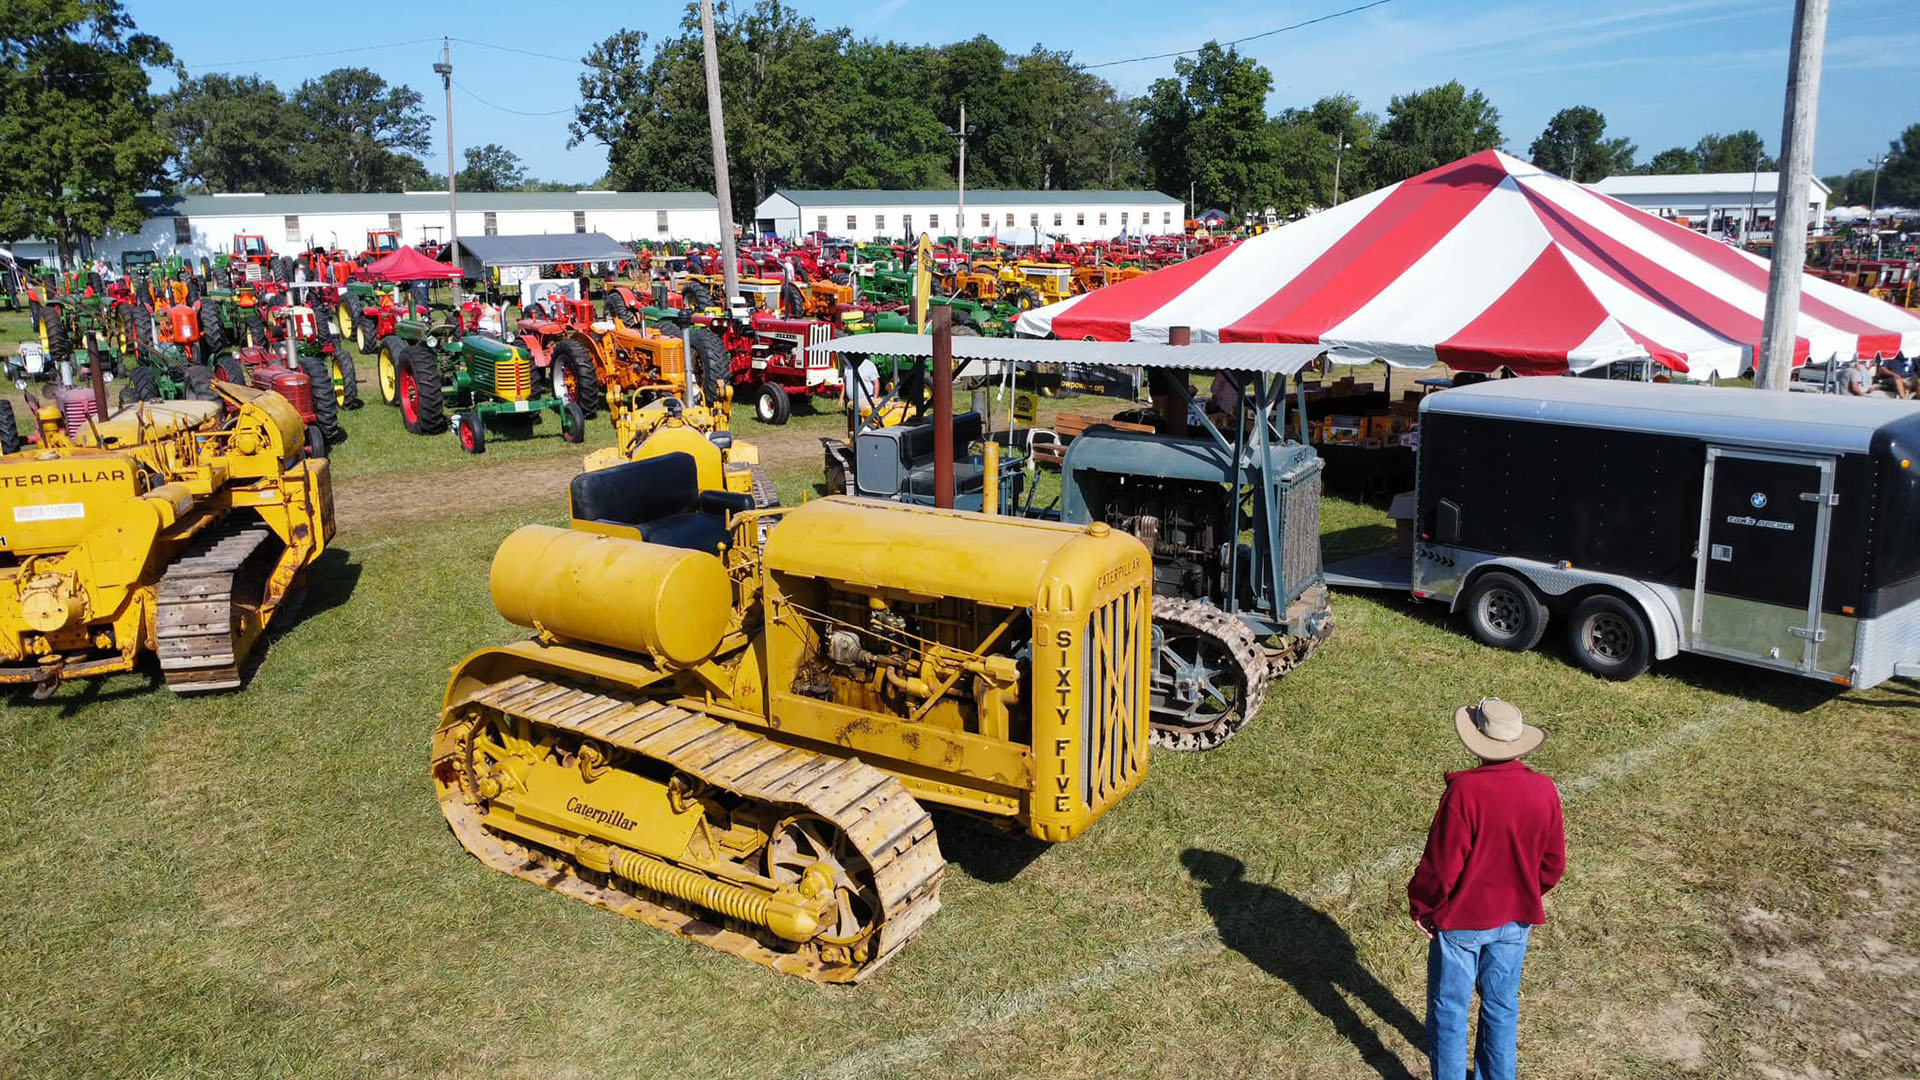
[
  {"x": 472, "y": 429},
  {"x": 573, "y": 422},
  {"x": 316, "y": 441},
  {"x": 387, "y": 367},
  {"x": 771, "y": 405}
]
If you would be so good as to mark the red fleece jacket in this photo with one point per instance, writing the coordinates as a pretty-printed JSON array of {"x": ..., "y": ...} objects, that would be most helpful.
[{"x": 1496, "y": 846}]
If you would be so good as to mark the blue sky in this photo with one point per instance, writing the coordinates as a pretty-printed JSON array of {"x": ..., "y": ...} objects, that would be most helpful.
[{"x": 1664, "y": 73}]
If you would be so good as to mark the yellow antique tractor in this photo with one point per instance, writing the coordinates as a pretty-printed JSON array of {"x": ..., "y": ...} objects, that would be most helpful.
[
  {"x": 738, "y": 742},
  {"x": 172, "y": 527}
]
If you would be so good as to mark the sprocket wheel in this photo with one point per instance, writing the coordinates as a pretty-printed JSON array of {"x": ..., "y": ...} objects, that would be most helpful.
[{"x": 1209, "y": 675}]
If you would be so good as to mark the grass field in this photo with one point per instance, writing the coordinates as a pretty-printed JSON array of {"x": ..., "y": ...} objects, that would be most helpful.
[{"x": 260, "y": 883}]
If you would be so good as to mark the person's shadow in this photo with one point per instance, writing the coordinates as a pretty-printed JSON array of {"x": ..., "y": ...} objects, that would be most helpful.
[{"x": 1294, "y": 941}]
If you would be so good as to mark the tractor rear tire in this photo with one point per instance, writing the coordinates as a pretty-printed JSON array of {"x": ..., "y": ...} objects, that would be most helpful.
[
  {"x": 366, "y": 335},
  {"x": 697, "y": 295},
  {"x": 9, "y": 430},
  {"x": 53, "y": 334},
  {"x": 711, "y": 365},
  {"x": 386, "y": 368},
  {"x": 426, "y": 404},
  {"x": 326, "y": 405},
  {"x": 142, "y": 385},
  {"x": 617, "y": 309},
  {"x": 143, "y": 291},
  {"x": 257, "y": 331},
  {"x": 349, "y": 392},
  {"x": 213, "y": 336},
  {"x": 793, "y": 304},
  {"x": 33, "y": 315},
  {"x": 199, "y": 380},
  {"x": 229, "y": 368},
  {"x": 574, "y": 359},
  {"x": 772, "y": 405}
]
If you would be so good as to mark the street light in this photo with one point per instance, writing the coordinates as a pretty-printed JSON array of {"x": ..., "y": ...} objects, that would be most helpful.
[
  {"x": 1339, "y": 149},
  {"x": 444, "y": 69}
]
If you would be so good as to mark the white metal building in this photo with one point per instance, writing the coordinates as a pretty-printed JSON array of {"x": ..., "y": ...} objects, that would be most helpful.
[
  {"x": 1740, "y": 203},
  {"x": 204, "y": 225},
  {"x": 870, "y": 214}
]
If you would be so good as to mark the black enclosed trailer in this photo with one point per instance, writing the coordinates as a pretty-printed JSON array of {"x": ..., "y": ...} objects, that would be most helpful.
[{"x": 1780, "y": 530}]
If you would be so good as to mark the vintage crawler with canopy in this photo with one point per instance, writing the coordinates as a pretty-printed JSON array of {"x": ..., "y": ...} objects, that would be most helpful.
[{"x": 1229, "y": 615}]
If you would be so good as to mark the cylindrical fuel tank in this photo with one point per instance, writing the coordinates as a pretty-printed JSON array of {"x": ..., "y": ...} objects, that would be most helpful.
[
  {"x": 186, "y": 323},
  {"x": 652, "y": 599}
]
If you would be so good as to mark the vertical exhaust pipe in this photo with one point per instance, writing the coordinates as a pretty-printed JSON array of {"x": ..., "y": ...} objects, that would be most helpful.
[
  {"x": 99, "y": 375},
  {"x": 943, "y": 407}
]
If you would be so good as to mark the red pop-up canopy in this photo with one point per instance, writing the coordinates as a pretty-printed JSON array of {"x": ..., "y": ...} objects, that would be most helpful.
[
  {"x": 407, "y": 264},
  {"x": 1486, "y": 263}
]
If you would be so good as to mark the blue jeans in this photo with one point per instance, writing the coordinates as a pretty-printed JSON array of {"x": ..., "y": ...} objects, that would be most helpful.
[{"x": 1458, "y": 963}]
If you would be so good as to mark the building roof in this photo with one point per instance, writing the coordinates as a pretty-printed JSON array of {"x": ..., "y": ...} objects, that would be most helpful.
[
  {"x": 479, "y": 251},
  {"x": 421, "y": 202},
  {"x": 987, "y": 197},
  {"x": 1764, "y": 183}
]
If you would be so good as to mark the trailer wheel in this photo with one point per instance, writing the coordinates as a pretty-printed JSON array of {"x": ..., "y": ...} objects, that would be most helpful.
[
  {"x": 772, "y": 406},
  {"x": 473, "y": 433},
  {"x": 1502, "y": 611},
  {"x": 1609, "y": 637}
]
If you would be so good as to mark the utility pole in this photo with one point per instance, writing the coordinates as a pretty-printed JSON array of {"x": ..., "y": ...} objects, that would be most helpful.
[
  {"x": 961, "y": 132},
  {"x": 1873, "y": 202},
  {"x": 1339, "y": 149},
  {"x": 717, "y": 121},
  {"x": 1790, "y": 204},
  {"x": 444, "y": 69}
]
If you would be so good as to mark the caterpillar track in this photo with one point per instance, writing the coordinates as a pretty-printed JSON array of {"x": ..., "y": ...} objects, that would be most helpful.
[
  {"x": 688, "y": 823},
  {"x": 1204, "y": 716},
  {"x": 207, "y": 608}
]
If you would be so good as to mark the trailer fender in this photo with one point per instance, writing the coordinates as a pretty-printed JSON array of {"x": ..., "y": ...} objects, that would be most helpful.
[{"x": 1660, "y": 604}]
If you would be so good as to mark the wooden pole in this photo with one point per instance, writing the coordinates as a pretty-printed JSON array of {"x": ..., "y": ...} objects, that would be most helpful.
[
  {"x": 723, "y": 186},
  {"x": 943, "y": 407},
  {"x": 1775, "y": 364}
]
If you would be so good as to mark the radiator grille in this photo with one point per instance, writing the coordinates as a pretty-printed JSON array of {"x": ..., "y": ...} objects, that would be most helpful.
[
  {"x": 1300, "y": 532},
  {"x": 1113, "y": 744},
  {"x": 509, "y": 378}
]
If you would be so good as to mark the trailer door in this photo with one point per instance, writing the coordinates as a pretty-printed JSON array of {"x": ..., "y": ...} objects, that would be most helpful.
[{"x": 1762, "y": 557}]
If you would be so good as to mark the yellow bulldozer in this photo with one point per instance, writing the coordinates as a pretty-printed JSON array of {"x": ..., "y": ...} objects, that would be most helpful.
[
  {"x": 177, "y": 528},
  {"x": 738, "y": 741}
]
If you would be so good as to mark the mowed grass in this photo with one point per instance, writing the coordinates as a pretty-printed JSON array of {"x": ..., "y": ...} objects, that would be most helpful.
[{"x": 260, "y": 883}]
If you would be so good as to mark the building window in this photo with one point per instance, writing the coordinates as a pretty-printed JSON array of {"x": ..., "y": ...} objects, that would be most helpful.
[
  {"x": 1166, "y": 217},
  {"x": 1009, "y": 218},
  {"x": 820, "y": 223},
  {"x": 182, "y": 231},
  {"x": 579, "y": 221},
  {"x": 492, "y": 224},
  {"x": 660, "y": 222},
  {"x": 852, "y": 223},
  {"x": 393, "y": 222},
  {"x": 1033, "y": 221},
  {"x": 906, "y": 225},
  {"x": 293, "y": 228},
  {"x": 1080, "y": 218},
  {"x": 1056, "y": 219},
  {"x": 986, "y": 221},
  {"x": 1123, "y": 217},
  {"x": 879, "y": 223},
  {"x": 933, "y": 222},
  {"x": 1103, "y": 217}
]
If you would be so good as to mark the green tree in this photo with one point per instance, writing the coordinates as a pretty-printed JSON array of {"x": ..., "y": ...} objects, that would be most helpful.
[
  {"x": 1900, "y": 176},
  {"x": 357, "y": 133},
  {"x": 1428, "y": 129},
  {"x": 231, "y": 133},
  {"x": 1742, "y": 151},
  {"x": 491, "y": 168},
  {"x": 1574, "y": 145},
  {"x": 1208, "y": 125},
  {"x": 1323, "y": 153},
  {"x": 78, "y": 141},
  {"x": 1673, "y": 160}
]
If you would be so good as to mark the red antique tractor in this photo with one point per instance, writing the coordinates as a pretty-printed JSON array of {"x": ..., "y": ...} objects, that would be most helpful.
[
  {"x": 766, "y": 356},
  {"x": 561, "y": 336},
  {"x": 254, "y": 366}
]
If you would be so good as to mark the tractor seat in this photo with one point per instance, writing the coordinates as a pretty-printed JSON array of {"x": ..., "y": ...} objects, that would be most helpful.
[{"x": 660, "y": 498}]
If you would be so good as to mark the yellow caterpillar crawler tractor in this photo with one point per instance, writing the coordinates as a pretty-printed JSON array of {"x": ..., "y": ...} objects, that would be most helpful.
[
  {"x": 170, "y": 528},
  {"x": 739, "y": 743}
]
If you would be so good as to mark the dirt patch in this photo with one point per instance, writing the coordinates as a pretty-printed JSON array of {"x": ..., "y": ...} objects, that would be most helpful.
[
  {"x": 1834, "y": 997},
  {"x": 395, "y": 500}
]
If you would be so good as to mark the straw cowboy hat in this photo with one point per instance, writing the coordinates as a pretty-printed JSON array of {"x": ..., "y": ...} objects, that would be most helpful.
[{"x": 1495, "y": 731}]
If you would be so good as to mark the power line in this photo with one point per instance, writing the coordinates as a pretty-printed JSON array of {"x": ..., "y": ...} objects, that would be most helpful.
[
  {"x": 303, "y": 56},
  {"x": 1239, "y": 40},
  {"x": 504, "y": 109},
  {"x": 524, "y": 52}
]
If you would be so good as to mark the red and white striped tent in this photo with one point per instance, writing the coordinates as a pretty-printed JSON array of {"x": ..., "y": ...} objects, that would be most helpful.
[{"x": 1482, "y": 264}]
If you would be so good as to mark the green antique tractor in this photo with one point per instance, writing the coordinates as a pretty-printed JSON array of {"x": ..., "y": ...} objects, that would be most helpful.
[{"x": 446, "y": 377}]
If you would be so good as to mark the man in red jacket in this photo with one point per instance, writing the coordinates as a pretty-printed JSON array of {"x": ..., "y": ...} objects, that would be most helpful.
[{"x": 1496, "y": 846}]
